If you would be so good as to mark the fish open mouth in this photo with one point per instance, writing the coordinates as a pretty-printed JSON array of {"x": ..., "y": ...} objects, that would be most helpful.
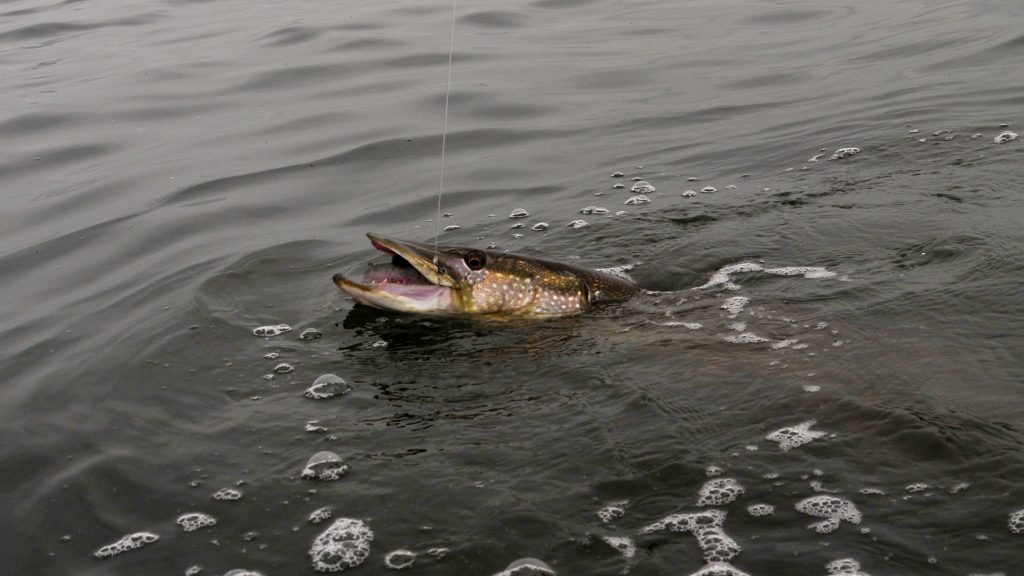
[{"x": 409, "y": 283}]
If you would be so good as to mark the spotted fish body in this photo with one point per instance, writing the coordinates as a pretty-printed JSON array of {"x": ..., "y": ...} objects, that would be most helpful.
[{"x": 467, "y": 281}]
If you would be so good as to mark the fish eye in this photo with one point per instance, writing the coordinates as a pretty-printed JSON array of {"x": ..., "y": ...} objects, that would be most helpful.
[{"x": 475, "y": 260}]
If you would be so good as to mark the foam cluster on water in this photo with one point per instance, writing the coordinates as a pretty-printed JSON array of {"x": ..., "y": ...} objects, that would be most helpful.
[
  {"x": 745, "y": 338},
  {"x": 612, "y": 511},
  {"x": 719, "y": 569},
  {"x": 619, "y": 271},
  {"x": 527, "y": 567},
  {"x": 594, "y": 210},
  {"x": 641, "y": 187},
  {"x": 719, "y": 492},
  {"x": 320, "y": 514},
  {"x": 519, "y": 213},
  {"x": 793, "y": 436},
  {"x": 917, "y": 487},
  {"x": 242, "y": 572},
  {"x": 344, "y": 544},
  {"x": 125, "y": 544},
  {"x": 624, "y": 544},
  {"x": 1016, "y": 522},
  {"x": 759, "y": 510},
  {"x": 577, "y": 224},
  {"x": 229, "y": 494},
  {"x": 324, "y": 466},
  {"x": 539, "y": 226},
  {"x": 1005, "y": 137},
  {"x": 844, "y": 567},
  {"x": 327, "y": 386},
  {"x": 723, "y": 276},
  {"x": 193, "y": 521},
  {"x": 637, "y": 200},
  {"x": 833, "y": 509},
  {"x": 310, "y": 334},
  {"x": 399, "y": 559},
  {"x": 735, "y": 304},
  {"x": 844, "y": 153},
  {"x": 706, "y": 526},
  {"x": 272, "y": 330}
]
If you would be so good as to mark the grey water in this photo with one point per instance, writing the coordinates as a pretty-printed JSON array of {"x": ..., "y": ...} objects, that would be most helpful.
[{"x": 177, "y": 173}]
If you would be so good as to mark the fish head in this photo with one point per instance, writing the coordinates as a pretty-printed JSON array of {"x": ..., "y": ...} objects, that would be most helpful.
[{"x": 453, "y": 280}]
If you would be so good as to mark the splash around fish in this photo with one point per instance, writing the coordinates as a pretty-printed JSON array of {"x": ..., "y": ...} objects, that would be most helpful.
[{"x": 461, "y": 281}]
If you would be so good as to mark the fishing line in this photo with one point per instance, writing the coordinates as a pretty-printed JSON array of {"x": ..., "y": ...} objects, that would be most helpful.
[{"x": 444, "y": 133}]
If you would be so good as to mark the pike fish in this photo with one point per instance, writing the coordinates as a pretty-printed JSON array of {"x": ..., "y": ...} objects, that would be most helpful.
[{"x": 458, "y": 281}]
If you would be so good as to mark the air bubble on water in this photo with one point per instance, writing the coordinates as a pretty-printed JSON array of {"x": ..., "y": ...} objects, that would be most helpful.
[
  {"x": 271, "y": 355},
  {"x": 612, "y": 511},
  {"x": 527, "y": 567},
  {"x": 193, "y": 570},
  {"x": 719, "y": 492},
  {"x": 833, "y": 509},
  {"x": 737, "y": 326},
  {"x": 517, "y": 236},
  {"x": 1005, "y": 137},
  {"x": 384, "y": 344},
  {"x": 758, "y": 510},
  {"x": 593, "y": 210},
  {"x": 713, "y": 471},
  {"x": 917, "y": 487},
  {"x": 324, "y": 466},
  {"x": 784, "y": 343},
  {"x": 399, "y": 559},
  {"x": 844, "y": 567},
  {"x": 125, "y": 544},
  {"x": 619, "y": 186},
  {"x": 689, "y": 193},
  {"x": 641, "y": 187},
  {"x": 960, "y": 487},
  {"x": 637, "y": 200},
  {"x": 283, "y": 368},
  {"x": 314, "y": 427},
  {"x": 708, "y": 189},
  {"x": 344, "y": 544},
  {"x": 268, "y": 376},
  {"x": 815, "y": 158},
  {"x": 812, "y": 388},
  {"x": 735, "y": 304},
  {"x": 636, "y": 178},
  {"x": 273, "y": 330},
  {"x": 617, "y": 174},
  {"x": 451, "y": 228},
  {"x": 519, "y": 213},
  {"x": 844, "y": 153},
  {"x": 693, "y": 325},
  {"x": 327, "y": 386},
  {"x": 745, "y": 338},
  {"x": 692, "y": 179},
  {"x": 719, "y": 569},
  {"x": 517, "y": 226},
  {"x": 438, "y": 552},
  {"x": 1016, "y": 522},
  {"x": 817, "y": 486},
  {"x": 793, "y": 436},
  {"x": 320, "y": 514},
  {"x": 577, "y": 224},
  {"x": 242, "y": 572},
  {"x": 193, "y": 521},
  {"x": 310, "y": 334},
  {"x": 539, "y": 226},
  {"x": 227, "y": 494}
]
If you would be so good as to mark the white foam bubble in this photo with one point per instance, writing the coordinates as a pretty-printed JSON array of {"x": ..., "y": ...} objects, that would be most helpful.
[
  {"x": 709, "y": 189},
  {"x": 625, "y": 545},
  {"x": 844, "y": 153},
  {"x": 399, "y": 559},
  {"x": 734, "y": 305},
  {"x": 758, "y": 510},
  {"x": 641, "y": 187},
  {"x": 284, "y": 368},
  {"x": 540, "y": 226},
  {"x": 612, "y": 511},
  {"x": 242, "y": 572},
  {"x": 637, "y": 200},
  {"x": 577, "y": 224},
  {"x": 320, "y": 514},
  {"x": 1005, "y": 137},
  {"x": 833, "y": 509},
  {"x": 706, "y": 526},
  {"x": 527, "y": 567},
  {"x": 310, "y": 334},
  {"x": 917, "y": 487},
  {"x": 344, "y": 544},
  {"x": 793, "y": 436},
  {"x": 327, "y": 386},
  {"x": 722, "y": 276},
  {"x": 519, "y": 213},
  {"x": 451, "y": 228},
  {"x": 719, "y": 569},
  {"x": 719, "y": 492},
  {"x": 193, "y": 570},
  {"x": 594, "y": 210},
  {"x": 805, "y": 271},
  {"x": 125, "y": 544},
  {"x": 844, "y": 567},
  {"x": 272, "y": 330},
  {"x": 713, "y": 471},
  {"x": 229, "y": 494},
  {"x": 193, "y": 521},
  {"x": 689, "y": 193},
  {"x": 324, "y": 466},
  {"x": 784, "y": 343},
  {"x": 1016, "y": 522},
  {"x": 745, "y": 338}
]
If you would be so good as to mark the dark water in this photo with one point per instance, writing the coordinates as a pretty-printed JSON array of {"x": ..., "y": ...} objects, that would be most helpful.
[{"x": 178, "y": 173}]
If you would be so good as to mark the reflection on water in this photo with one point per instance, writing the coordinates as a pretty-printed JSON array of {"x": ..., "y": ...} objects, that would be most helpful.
[{"x": 826, "y": 337}]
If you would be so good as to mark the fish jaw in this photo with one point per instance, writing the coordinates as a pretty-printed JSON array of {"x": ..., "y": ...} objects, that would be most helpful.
[{"x": 415, "y": 298}]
